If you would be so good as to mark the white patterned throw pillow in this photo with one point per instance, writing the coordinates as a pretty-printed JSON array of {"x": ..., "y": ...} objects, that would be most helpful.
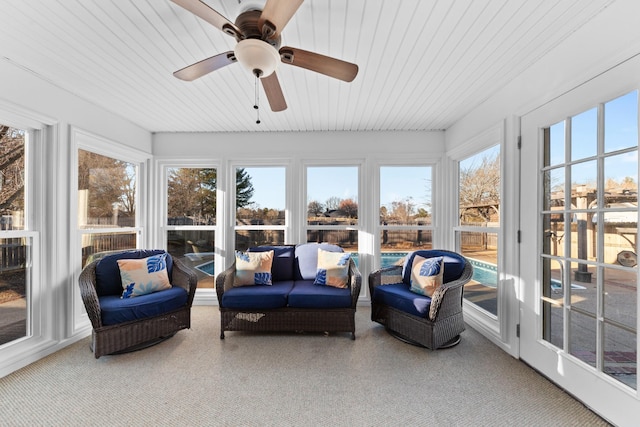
[
  {"x": 333, "y": 269},
  {"x": 143, "y": 276},
  {"x": 426, "y": 274},
  {"x": 253, "y": 268}
]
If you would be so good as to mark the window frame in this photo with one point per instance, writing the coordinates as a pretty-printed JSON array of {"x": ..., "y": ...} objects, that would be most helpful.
[
  {"x": 84, "y": 140},
  {"x": 379, "y": 228},
  {"x": 231, "y": 210},
  {"x": 163, "y": 228},
  {"x": 41, "y": 327},
  {"x": 362, "y": 222}
]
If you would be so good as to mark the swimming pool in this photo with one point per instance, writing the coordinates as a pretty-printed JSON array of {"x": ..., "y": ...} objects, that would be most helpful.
[
  {"x": 487, "y": 274},
  {"x": 207, "y": 268}
]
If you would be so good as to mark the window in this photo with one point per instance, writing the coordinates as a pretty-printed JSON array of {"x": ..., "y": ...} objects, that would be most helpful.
[
  {"x": 107, "y": 199},
  {"x": 478, "y": 229},
  {"x": 332, "y": 206},
  {"x": 406, "y": 214},
  {"x": 191, "y": 219},
  {"x": 16, "y": 243},
  {"x": 260, "y": 201},
  {"x": 589, "y": 248}
]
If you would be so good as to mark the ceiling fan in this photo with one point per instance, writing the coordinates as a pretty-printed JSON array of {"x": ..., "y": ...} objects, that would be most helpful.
[{"x": 258, "y": 34}]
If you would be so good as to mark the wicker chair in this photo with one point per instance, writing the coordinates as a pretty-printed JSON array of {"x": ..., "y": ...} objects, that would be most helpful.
[
  {"x": 442, "y": 322},
  {"x": 141, "y": 332}
]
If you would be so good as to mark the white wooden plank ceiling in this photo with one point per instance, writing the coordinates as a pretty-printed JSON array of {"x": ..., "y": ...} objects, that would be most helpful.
[{"x": 423, "y": 63}]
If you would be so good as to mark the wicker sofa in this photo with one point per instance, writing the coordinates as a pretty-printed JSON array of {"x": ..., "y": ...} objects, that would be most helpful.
[
  {"x": 292, "y": 302},
  {"x": 432, "y": 322},
  {"x": 122, "y": 325}
]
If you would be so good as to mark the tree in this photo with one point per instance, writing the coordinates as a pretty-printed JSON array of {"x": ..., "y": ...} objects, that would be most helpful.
[
  {"x": 244, "y": 188},
  {"x": 110, "y": 184},
  {"x": 192, "y": 192},
  {"x": 349, "y": 208},
  {"x": 480, "y": 188},
  {"x": 315, "y": 208},
  {"x": 11, "y": 170},
  {"x": 332, "y": 203},
  {"x": 403, "y": 210}
]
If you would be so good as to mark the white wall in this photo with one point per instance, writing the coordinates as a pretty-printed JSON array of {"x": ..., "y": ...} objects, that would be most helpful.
[
  {"x": 328, "y": 145},
  {"x": 22, "y": 88}
]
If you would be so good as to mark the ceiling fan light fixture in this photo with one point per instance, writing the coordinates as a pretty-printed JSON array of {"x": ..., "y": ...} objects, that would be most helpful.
[{"x": 259, "y": 57}]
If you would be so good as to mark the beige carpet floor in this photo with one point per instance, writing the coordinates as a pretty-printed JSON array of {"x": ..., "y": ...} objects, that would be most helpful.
[{"x": 196, "y": 379}]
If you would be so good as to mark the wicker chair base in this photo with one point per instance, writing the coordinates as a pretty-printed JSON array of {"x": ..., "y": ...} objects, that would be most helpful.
[
  {"x": 452, "y": 343},
  {"x": 131, "y": 336},
  {"x": 289, "y": 320},
  {"x": 417, "y": 330}
]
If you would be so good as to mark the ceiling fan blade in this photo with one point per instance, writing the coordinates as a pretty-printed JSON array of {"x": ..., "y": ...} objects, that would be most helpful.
[
  {"x": 275, "y": 16},
  {"x": 203, "y": 11},
  {"x": 272, "y": 88},
  {"x": 205, "y": 66},
  {"x": 326, "y": 65}
]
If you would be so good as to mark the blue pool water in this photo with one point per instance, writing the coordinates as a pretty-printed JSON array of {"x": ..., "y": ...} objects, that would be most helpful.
[{"x": 206, "y": 268}]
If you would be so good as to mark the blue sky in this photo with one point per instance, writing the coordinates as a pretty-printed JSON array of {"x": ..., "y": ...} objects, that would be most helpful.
[
  {"x": 620, "y": 131},
  {"x": 341, "y": 182}
]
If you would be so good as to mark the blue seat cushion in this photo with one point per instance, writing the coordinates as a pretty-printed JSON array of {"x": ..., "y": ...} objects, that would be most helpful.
[
  {"x": 108, "y": 280},
  {"x": 258, "y": 296},
  {"x": 306, "y": 261},
  {"x": 453, "y": 264},
  {"x": 282, "y": 267},
  {"x": 307, "y": 295},
  {"x": 117, "y": 310},
  {"x": 400, "y": 297}
]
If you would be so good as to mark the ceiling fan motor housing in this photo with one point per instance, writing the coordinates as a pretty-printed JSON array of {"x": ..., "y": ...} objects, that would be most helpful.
[{"x": 254, "y": 51}]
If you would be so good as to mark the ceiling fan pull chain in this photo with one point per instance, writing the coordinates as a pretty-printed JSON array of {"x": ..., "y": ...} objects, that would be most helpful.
[{"x": 256, "y": 104}]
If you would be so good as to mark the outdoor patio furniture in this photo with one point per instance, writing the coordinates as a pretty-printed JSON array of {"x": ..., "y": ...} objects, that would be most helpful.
[
  {"x": 433, "y": 322},
  {"x": 294, "y": 301},
  {"x": 122, "y": 324}
]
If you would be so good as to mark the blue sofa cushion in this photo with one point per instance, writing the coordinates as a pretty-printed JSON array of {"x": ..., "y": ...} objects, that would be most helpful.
[
  {"x": 400, "y": 297},
  {"x": 307, "y": 295},
  {"x": 258, "y": 296},
  {"x": 117, "y": 310},
  {"x": 306, "y": 260},
  {"x": 108, "y": 281},
  {"x": 453, "y": 264},
  {"x": 282, "y": 267}
]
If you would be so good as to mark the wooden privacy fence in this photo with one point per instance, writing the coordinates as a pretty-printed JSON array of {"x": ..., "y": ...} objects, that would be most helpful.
[{"x": 13, "y": 254}]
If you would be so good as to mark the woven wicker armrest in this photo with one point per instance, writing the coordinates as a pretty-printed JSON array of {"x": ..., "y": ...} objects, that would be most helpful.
[
  {"x": 355, "y": 282},
  {"x": 89, "y": 295},
  {"x": 184, "y": 277},
  {"x": 224, "y": 281},
  {"x": 447, "y": 298},
  {"x": 384, "y": 276}
]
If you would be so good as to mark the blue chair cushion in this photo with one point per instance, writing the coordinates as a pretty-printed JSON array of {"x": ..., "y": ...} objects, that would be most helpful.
[
  {"x": 453, "y": 264},
  {"x": 400, "y": 297},
  {"x": 307, "y": 295},
  {"x": 116, "y": 310},
  {"x": 282, "y": 267},
  {"x": 306, "y": 260},
  {"x": 258, "y": 296},
  {"x": 108, "y": 280}
]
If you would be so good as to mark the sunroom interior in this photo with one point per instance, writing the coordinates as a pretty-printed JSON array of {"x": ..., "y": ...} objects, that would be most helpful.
[{"x": 505, "y": 131}]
